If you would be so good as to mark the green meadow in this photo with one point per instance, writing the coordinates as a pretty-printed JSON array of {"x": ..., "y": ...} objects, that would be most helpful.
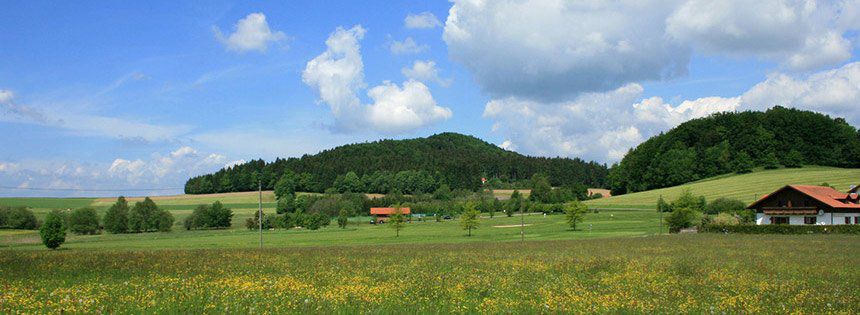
[
  {"x": 705, "y": 273},
  {"x": 744, "y": 187}
]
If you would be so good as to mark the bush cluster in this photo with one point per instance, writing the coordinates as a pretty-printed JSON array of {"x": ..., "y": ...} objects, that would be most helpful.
[
  {"x": 84, "y": 221},
  {"x": 312, "y": 221},
  {"x": 145, "y": 216},
  {"x": 782, "y": 229},
  {"x": 209, "y": 217},
  {"x": 20, "y": 218}
]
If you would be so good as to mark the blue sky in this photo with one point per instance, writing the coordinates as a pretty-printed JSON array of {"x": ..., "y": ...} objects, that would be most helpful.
[{"x": 101, "y": 95}]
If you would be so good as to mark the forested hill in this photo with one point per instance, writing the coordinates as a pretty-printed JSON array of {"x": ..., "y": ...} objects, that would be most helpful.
[
  {"x": 737, "y": 142},
  {"x": 456, "y": 160}
]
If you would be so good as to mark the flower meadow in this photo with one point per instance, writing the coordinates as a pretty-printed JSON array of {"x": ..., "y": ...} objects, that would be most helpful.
[{"x": 656, "y": 274}]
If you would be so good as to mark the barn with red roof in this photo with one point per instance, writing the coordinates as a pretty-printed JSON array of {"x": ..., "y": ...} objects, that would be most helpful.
[
  {"x": 810, "y": 205},
  {"x": 382, "y": 214}
]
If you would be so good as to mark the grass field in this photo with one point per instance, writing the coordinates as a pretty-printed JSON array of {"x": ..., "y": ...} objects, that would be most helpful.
[
  {"x": 745, "y": 187},
  {"x": 658, "y": 274},
  {"x": 551, "y": 227}
]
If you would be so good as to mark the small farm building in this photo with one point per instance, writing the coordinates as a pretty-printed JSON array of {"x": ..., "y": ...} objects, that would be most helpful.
[
  {"x": 382, "y": 214},
  {"x": 803, "y": 204}
]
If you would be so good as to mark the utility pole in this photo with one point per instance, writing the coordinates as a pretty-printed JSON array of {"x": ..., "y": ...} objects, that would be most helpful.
[{"x": 260, "y": 189}]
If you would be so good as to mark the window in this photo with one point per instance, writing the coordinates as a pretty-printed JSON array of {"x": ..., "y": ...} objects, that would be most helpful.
[
  {"x": 809, "y": 220},
  {"x": 781, "y": 203},
  {"x": 856, "y": 220},
  {"x": 847, "y": 220},
  {"x": 778, "y": 220}
]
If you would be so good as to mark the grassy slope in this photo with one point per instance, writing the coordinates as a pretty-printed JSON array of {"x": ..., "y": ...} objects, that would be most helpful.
[{"x": 745, "y": 187}]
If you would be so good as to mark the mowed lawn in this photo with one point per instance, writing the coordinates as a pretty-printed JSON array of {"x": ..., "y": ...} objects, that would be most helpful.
[
  {"x": 496, "y": 229},
  {"x": 744, "y": 187},
  {"x": 705, "y": 273}
]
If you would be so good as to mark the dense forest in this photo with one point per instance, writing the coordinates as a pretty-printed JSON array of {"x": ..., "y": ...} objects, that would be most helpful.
[
  {"x": 410, "y": 166},
  {"x": 737, "y": 142}
]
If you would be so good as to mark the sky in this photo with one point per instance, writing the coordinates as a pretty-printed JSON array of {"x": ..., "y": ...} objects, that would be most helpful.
[{"x": 104, "y": 98}]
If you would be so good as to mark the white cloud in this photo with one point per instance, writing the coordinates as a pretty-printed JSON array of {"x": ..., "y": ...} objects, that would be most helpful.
[
  {"x": 87, "y": 124},
  {"x": 8, "y": 105},
  {"x": 338, "y": 75},
  {"x": 251, "y": 33},
  {"x": 422, "y": 20},
  {"x": 836, "y": 92},
  {"x": 407, "y": 46},
  {"x": 396, "y": 109},
  {"x": 603, "y": 126},
  {"x": 554, "y": 50},
  {"x": 598, "y": 126},
  {"x": 425, "y": 71},
  {"x": 801, "y": 34}
]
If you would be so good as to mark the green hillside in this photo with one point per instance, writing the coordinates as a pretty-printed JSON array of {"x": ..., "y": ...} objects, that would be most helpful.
[{"x": 745, "y": 187}]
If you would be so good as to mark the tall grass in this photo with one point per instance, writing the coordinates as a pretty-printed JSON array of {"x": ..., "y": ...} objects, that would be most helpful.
[{"x": 661, "y": 274}]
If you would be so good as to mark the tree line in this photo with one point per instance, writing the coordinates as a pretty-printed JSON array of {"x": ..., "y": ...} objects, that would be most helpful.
[
  {"x": 736, "y": 142},
  {"x": 409, "y": 166}
]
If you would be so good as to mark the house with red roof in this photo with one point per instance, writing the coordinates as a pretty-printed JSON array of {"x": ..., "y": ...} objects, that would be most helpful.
[
  {"x": 382, "y": 214},
  {"x": 804, "y": 204}
]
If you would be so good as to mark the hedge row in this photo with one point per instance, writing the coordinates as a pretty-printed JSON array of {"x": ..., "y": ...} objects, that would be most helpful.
[{"x": 782, "y": 229}]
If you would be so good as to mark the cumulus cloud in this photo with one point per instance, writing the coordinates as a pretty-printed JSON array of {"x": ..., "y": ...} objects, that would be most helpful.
[
  {"x": 162, "y": 171},
  {"x": 800, "y": 34},
  {"x": 603, "y": 126},
  {"x": 425, "y": 71},
  {"x": 251, "y": 33},
  {"x": 599, "y": 126},
  {"x": 338, "y": 75},
  {"x": 406, "y": 46},
  {"x": 423, "y": 20},
  {"x": 836, "y": 92},
  {"x": 564, "y": 76},
  {"x": 553, "y": 50}
]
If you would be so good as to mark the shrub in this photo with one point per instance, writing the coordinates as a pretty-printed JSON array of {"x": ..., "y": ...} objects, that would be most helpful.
[
  {"x": 688, "y": 200},
  {"x": 18, "y": 218},
  {"x": 722, "y": 204},
  {"x": 725, "y": 219},
  {"x": 253, "y": 223},
  {"x": 782, "y": 229},
  {"x": 681, "y": 218},
  {"x": 84, "y": 221},
  {"x": 315, "y": 221},
  {"x": 204, "y": 216},
  {"x": 145, "y": 216},
  {"x": 116, "y": 218},
  {"x": 53, "y": 232},
  {"x": 164, "y": 221},
  {"x": 342, "y": 219}
]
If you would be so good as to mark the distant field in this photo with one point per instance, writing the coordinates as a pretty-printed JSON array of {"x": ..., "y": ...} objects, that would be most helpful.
[
  {"x": 698, "y": 274},
  {"x": 745, "y": 187},
  {"x": 551, "y": 227}
]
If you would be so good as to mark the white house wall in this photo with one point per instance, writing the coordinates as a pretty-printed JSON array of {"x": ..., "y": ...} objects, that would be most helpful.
[{"x": 824, "y": 219}]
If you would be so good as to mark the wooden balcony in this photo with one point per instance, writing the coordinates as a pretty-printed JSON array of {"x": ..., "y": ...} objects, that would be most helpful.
[{"x": 790, "y": 210}]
